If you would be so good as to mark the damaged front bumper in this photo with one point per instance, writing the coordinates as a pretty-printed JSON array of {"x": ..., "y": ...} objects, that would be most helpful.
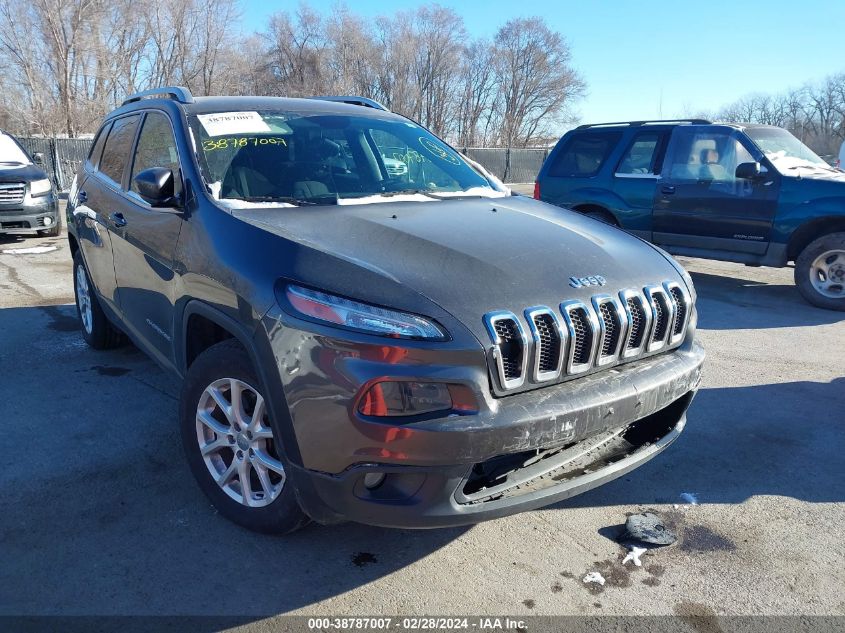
[{"x": 517, "y": 453}]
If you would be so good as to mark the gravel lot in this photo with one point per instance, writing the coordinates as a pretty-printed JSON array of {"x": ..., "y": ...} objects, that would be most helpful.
[{"x": 101, "y": 515}]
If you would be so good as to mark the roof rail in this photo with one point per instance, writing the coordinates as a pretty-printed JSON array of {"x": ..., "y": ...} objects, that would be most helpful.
[
  {"x": 651, "y": 122},
  {"x": 359, "y": 101},
  {"x": 177, "y": 93}
]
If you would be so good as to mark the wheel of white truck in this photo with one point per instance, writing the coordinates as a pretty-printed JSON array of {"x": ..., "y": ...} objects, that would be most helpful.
[
  {"x": 820, "y": 272},
  {"x": 230, "y": 443},
  {"x": 97, "y": 331}
]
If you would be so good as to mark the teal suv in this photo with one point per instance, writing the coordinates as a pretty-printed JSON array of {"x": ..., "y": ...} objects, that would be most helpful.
[{"x": 753, "y": 194}]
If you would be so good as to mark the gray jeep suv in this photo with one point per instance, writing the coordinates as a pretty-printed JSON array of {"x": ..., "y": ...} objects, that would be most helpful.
[{"x": 411, "y": 348}]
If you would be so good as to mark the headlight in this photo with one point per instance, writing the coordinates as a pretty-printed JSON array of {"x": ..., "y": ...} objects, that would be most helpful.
[
  {"x": 39, "y": 187},
  {"x": 361, "y": 316}
]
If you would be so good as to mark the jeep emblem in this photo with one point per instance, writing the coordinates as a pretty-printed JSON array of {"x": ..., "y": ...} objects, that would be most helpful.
[{"x": 580, "y": 282}]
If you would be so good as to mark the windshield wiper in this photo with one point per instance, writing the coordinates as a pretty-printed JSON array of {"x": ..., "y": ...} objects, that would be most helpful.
[
  {"x": 407, "y": 192},
  {"x": 287, "y": 200},
  {"x": 812, "y": 166},
  {"x": 11, "y": 162}
]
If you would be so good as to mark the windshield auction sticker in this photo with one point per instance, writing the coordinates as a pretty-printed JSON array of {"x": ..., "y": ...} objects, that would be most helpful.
[{"x": 228, "y": 123}]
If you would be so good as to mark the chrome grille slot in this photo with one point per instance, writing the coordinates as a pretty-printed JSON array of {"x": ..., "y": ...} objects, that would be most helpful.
[
  {"x": 549, "y": 343},
  {"x": 510, "y": 348},
  {"x": 612, "y": 323},
  {"x": 663, "y": 314},
  {"x": 638, "y": 316},
  {"x": 12, "y": 193},
  {"x": 583, "y": 329},
  {"x": 681, "y": 309}
]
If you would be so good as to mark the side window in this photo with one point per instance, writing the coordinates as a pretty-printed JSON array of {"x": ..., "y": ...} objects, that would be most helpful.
[
  {"x": 584, "y": 154},
  {"x": 642, "y": 156},
  {"x": 156, "y": 148},
  {"x": 97, "y": 146},
  {"x": 118, "y": 147},
  {"x": 705, "y": 155}
]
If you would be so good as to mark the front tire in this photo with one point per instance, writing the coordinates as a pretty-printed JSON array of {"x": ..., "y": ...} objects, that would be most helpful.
[
  {"x": 820, "y": 272},
  {"x": 97, "y": 331},
  {"x": 230, "y": 443}
]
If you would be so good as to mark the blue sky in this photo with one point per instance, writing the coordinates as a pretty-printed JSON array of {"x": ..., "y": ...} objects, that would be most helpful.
[{"x": 651, "y": 58}]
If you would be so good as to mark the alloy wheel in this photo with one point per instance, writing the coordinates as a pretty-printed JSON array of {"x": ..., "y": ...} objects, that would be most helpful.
[
  {"x": 237, "y": 444},
  {"x": 83, "y": 299}
]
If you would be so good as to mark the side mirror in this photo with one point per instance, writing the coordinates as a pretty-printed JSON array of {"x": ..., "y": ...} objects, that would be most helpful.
[
  {"x": 156, "y": 186},
  {"x": 748, "y": 171},
  {"x": 38, "y": 157}
]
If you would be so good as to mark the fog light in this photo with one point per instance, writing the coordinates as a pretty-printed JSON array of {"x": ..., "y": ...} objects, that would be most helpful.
[
  {"x": 374, "y": 480},
  {"x": 392, "y": 398},
  {"x": 48, "y": 221}
]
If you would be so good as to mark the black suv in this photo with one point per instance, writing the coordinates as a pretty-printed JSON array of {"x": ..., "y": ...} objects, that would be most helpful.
[
  {"x": 744, "y": 193},
  {"x": 27, "y": 200},
  {"x": 415, "y": 350}
]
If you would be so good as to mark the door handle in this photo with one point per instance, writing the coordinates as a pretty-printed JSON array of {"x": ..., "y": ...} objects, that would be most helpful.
[
  {"x": 117, "y": 219},
  {"x": 82, "y": 196},
  {"x": 667, "y": 190}
]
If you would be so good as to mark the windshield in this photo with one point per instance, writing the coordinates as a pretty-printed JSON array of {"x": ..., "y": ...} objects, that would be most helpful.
[
  {"x": 10, "y": 153},
  {"x": 270, "y": 158},
  {"x": 785, "y": 151}
]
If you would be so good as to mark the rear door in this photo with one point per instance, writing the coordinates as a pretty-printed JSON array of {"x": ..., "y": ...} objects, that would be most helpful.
[
  {"x": 700, "y": 205},
  {"x": 145, "y": 241},
  {"x": 98, "y": 194}
]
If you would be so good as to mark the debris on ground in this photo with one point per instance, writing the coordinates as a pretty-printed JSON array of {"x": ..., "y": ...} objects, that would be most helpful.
[
  {"x": 690, "y": 498},
  {"x": 35, "y": 250},
  {"x": 646, "y": 528},
  {"x": 634, "y": 554},
  {"x": 594, "y": 577}
]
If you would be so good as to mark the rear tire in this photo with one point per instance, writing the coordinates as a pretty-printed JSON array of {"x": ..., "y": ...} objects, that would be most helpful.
[
  {"x": 229, "y": 439},
  {"x": 820, "y": 272},
  {"x": 96, "y": 328}
]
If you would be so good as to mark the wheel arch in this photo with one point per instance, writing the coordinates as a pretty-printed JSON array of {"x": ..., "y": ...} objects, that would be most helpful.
[
  {"x": 596, "y": 208},
  {"x": 216, "y": 324},
  {"x": 811, "y": 231}
]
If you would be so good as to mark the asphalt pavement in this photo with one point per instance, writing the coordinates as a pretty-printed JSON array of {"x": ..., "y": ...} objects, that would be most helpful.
[{"x": 101, "y": 516}]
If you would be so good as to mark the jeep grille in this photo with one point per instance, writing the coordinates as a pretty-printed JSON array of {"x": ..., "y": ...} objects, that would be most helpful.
[{"x": 580, "y": 337}]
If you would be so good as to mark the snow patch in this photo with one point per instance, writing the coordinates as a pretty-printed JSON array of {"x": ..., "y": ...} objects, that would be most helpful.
[{"x": 35, "y": 250}]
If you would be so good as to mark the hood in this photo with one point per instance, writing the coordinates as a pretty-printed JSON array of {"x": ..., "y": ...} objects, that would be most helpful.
[
  {"x": 474, "y": 256},
  {"x": 21, "y": 173}
]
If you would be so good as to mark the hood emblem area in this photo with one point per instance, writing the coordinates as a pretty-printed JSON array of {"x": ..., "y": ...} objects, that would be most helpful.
[{"x": 584, "y": 282}]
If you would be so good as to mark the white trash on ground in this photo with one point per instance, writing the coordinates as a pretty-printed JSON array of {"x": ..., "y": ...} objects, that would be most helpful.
[
  {"x": 634, "y": 554},
  {"x": 594, "y": 577}
]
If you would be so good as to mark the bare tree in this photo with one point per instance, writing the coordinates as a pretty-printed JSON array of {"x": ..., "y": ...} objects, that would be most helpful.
[{"x": 535, "y": 80}]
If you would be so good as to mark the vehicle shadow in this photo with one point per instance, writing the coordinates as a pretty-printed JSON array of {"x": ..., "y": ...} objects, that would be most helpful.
[
  {"x": 730, "y": 303},
  {"x": 102, "y": 516},
  {"x": 781, "y": 439}
]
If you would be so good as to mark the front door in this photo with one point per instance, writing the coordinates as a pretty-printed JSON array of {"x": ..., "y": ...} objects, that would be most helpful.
[
  {"x": 700, "y": 204},
  {"x": 98, "y": 193},
  {"x": 144, "y": 244}
]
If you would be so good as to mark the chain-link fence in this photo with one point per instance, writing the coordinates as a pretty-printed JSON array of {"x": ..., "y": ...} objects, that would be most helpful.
[
  {"x": 509, "y": 165},
  {"x": 62, "y": 157}
]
